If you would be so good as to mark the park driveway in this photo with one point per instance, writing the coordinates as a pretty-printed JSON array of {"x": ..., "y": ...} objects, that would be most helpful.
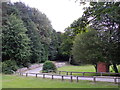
[
  {"x": 39, "y": 69},
  {"x": 59, "y": 64}
]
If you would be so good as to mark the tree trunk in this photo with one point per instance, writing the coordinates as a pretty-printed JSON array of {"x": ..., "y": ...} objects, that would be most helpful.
[
  {"x": 70, "y": 59},
  {"x": 115, "y": 68},
  {"x": 95, "y": 65}
]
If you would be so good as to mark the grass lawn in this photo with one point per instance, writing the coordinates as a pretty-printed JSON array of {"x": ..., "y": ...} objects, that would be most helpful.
[
  {"x": 82, "y": 68},
  {"x": 13, "y": 81}
]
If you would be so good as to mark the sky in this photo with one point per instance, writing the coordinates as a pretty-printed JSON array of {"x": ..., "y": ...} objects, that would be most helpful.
[{"x": 61, "y": 13}]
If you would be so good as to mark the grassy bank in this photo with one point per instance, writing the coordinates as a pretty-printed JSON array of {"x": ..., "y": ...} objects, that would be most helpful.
[
  {"x": 82, "y": 68},
  {"x": 12, "y": 81}
]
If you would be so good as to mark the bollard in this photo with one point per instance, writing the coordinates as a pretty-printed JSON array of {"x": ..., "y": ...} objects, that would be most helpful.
[
  {"x": 83, "y": 74},
  {"x": 115, "y": 80},
  {"x": 43, "y": 75},
  {"x": 62, "y": 78},
  {"x": 52, "y": 76},
  {"x": 36, "y": 75},
  {"x": 94, "y": 79},
  {"x": 26, "y": 74},
  {"x": 71, "y": 79},
  {"x": 77, "y": 79},
  {"x": 66, "y": 73},
  {"x": 59, "y": 72}
]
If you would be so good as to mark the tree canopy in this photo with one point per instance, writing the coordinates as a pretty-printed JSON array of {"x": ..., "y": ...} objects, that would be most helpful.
[
  {"x": 27, "y": 35},
  {"x": 104, "y": 18}
]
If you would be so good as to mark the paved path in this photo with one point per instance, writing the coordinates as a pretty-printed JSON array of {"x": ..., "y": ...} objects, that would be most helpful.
[{"x": 37, "y": 70}]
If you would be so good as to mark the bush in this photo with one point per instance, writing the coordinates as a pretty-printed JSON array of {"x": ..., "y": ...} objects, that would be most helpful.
[
  {"x": 48, "y": 66},
  {"x": 9, "y": 66}
]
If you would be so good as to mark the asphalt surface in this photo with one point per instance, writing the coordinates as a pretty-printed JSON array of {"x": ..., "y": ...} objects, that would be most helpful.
[{"x": 37, "y": 70}]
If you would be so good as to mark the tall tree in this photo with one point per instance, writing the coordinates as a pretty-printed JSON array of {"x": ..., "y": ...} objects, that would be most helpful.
[
  {"x": 53, "y": 47},
  {"x": 42, "y": 26},
  {"x": 15, "y": 41},
  {"x": 105, "y": 18},
  {"x": 88, "y": 48},
  {"x": 35, "y": 44}
]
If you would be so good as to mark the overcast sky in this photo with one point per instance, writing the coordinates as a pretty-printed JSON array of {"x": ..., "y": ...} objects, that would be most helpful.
[{"x": 61, "y": 13}]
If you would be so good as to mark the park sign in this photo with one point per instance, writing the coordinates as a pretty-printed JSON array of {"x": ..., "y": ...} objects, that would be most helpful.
[{"x": 102, "y": 67}]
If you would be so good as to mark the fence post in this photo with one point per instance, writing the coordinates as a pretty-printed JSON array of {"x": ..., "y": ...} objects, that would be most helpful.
[
  {"x": 77, "y": 78},
  {"x": 94, "y": 79},
  {"x": 62, "y": 78},
  {"x": 71, "y": 79},
  {"x": 43, "y": 75},
  {"x": 26, "y": 74},
  {"x": 52, "y": 76},
  {"x": 36, "y": 75},
  {"x": 59, "y": 72},
  {"x": 66, "y": 73},
  {"x": 83, "y": 74},
  {"x": 115, "y": 80}
]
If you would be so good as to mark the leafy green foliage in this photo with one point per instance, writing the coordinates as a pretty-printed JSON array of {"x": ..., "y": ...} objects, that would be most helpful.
[
  {"x": 79, "y": 25},
  {"x": 53, "y": 47},
  {"x": 65, "y": 43},
  {"x": 87, "y": 48},
  {"x": 35, "y": 44},
  {"x": 28, "y": 36},
  {"x": 15, "y": 41},
  {"x": 49, "y": 66},
  {"x": 8, "y": 67},
  {"x": 105, "y": 18},
  {"x": 43, "y": 38}
]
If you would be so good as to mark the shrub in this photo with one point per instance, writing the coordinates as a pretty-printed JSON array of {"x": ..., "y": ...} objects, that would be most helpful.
[
  {"x": 9, "y": 66},
  {"x": 48, "y": 66}
]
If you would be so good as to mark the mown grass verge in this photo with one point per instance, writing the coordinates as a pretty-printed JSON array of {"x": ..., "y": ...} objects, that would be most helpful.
[
  {"x": 82, "y": 68},
  {"x": 13, "y": 81}
]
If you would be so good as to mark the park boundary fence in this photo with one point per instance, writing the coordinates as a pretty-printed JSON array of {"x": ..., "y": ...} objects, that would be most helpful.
[
  {"x": 83, "y": 73},
  {"x": 71, "y": 77}
]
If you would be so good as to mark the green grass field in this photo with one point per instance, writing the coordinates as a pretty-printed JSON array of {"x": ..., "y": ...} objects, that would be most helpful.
[
  {"x": 12, "y": 81},
  {"x": 82, "y": 68}
]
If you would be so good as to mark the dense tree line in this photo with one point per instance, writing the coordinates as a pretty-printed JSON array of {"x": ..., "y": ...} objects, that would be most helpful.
[{"x": 27, "y": 36}]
